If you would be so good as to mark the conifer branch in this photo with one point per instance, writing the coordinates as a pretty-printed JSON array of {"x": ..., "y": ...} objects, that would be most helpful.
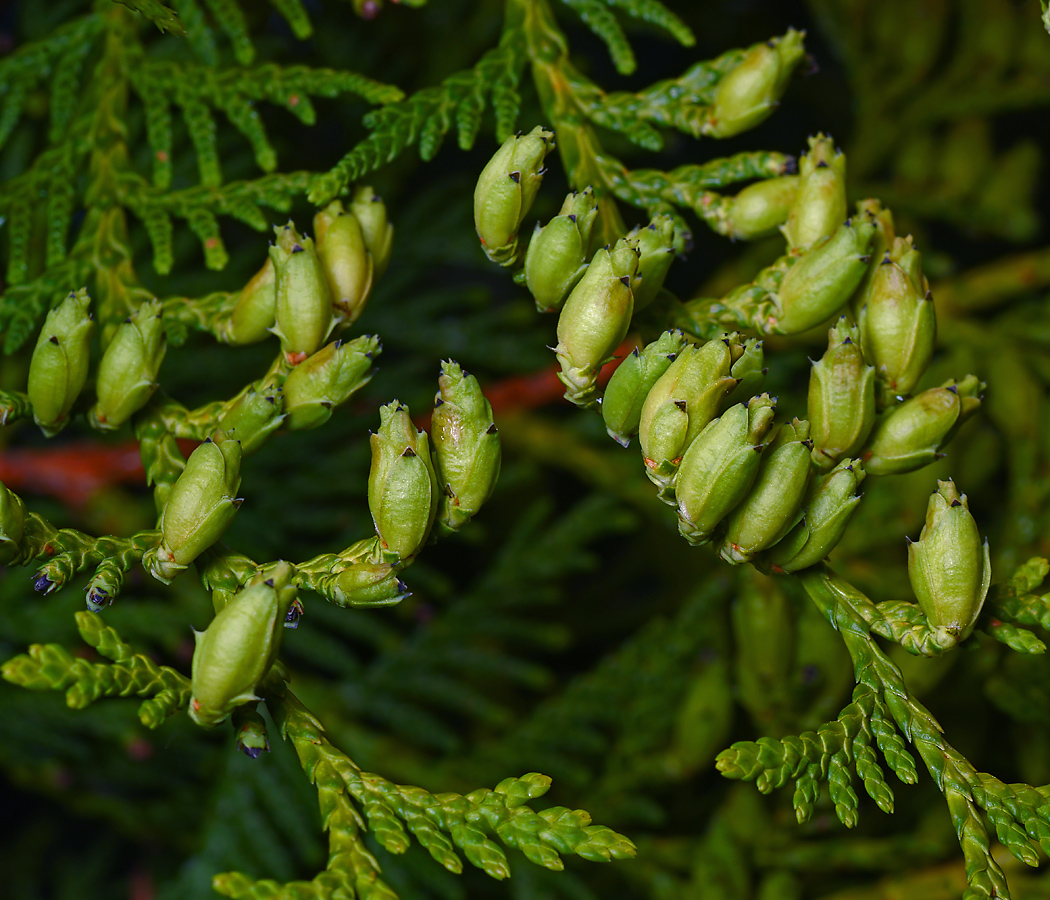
[
  {"x": 1017, "y": 602},
  {"x": 656, "y": 13},
  {"x": 573, "y": 104},
  {"x": 598, "y": 17},
  {"x": 690, "y": 186},
  {"x": 68, "y": 552},
  {"x": 442, "y": 823},
  {"x": 231, "y": 20},
  {"x": 682, "y": 103},
  {"x": 165, "y": 18},
  {"x": 965, "y": 789},
  {"x": 199, "y": 313},
  {"x": 52, "y": 667},
  {"x": 198, "y": 90},
  {"x": 1017, "y": 812},
  {"x": 103, "y": 114},
  {"x": 428, "y": 115},
  {"x": 60, "y": 55},
  {"x": 201, "y": 207}
]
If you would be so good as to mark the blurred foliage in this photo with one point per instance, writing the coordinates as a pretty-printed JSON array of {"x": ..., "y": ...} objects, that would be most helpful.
[{"x": 569, "y": 630}]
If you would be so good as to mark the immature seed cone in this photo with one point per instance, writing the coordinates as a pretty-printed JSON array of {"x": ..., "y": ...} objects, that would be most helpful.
[
  {"x": 820, "y": 204},
  {"x": 200, "y": 507},
  {"x": 557, "y": 254},
  {"x": 841, "y": 397},
  {"x": 829, "y": 506},
  {"x": 253, "y": 316},
  {"x": 881, "y": 241},
  {"x": 327, "y": 379},
  {"x": 505, "y": 191},
  {"x": 254, "y": 416},
  {"x": 345, "y": 258},
  {"x": 949, "y": 568},
  {"x": 897, "y": 322},
  {"x": 127, "y": 372},
  {"x": 749, "y": 369},
  {"x": 59, "y": 366},
  {"x": 632, "y": 381},
  {"x": 720, "y": 466},
  {"x": 818, "y": 285},
  {"x": 12, "y": 524},
  {"x": 682, "y": 402},
  {"x": 466, "y": 447},
  {"x": 303, "y": 309},
  {"x": 655, "y": 255},
  {"x": 774, "y": 504},
  {"x": 378, "y": 233},
  {"x": 250, "y": 729},
  {"x": 238, "y": 648},
  {"x": 759, "y": 209},
  {"x": 402, "y": 486},
  {"x": 751, "y": 91},
  {"x": 367, "y": 583},
  {"x": 910, "y": 435},
  {"x": 595, "y": 319}
]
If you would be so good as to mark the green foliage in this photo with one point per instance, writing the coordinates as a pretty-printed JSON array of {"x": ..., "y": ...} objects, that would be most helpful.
[
  {"x": 165, "y": 18},
  {"x": 144, "y": 146},
  {"x": 441, "y": 823},
  {"x": 52, "y": 667},
  {"x": 428, "y": 115}
]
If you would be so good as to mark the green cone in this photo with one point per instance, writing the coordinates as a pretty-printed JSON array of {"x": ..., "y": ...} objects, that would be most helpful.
[
  {"x": 12, "y": 524},
  {"x": 328, "y": 378},
  {"x": 200, "y": 507},
  {"x": 127, "y": 372},
  {"x": 820, "y": 204},
  {"x": 253, "y": 316},
  {"x": 949, "y": 568},
  {"x": 59, "y": 366},
  {"x": 897, "y": 321},
  {"x": 631, "y": 382},
  {"x": 466, "y": 446},
  {"x": 345, "y": 258},
  {"x": 817, "y": 286},
  {"x": 758, "y": 210},
  {"x": 751, "y": 91},
  {"x": 368, "y": 207},
  {"x": 749, "y": 370},
  {"x": 656, "y": 242},
  {"x": 505, "y": 191},
  {"x": 841, "y": 397},
  {"x": 254, "y": 416},
  {"x": 720, "y": 466},
  {"x": 402, "y": 486},
  {"x": 238, "y": 648},
  {"x": 250, "y": 729},
  {"x": 303, "y": 311},
  {"x": 682, "y": 402},
  {"x": 829, "y": 506},
  {"x": 557, "y": 254},
  {"x": 367, "y": 584},
  {"x": 773, "y": 505},
  {"x": 595, "y": 319},
  {"x": 881, "y": 241},
  {"x": 910, "y": 436}
]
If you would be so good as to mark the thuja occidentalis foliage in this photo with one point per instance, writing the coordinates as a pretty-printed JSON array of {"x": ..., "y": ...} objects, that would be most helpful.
[
  {"x": 918, "y": 400},
  {"x": 753, "y": 489}
]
